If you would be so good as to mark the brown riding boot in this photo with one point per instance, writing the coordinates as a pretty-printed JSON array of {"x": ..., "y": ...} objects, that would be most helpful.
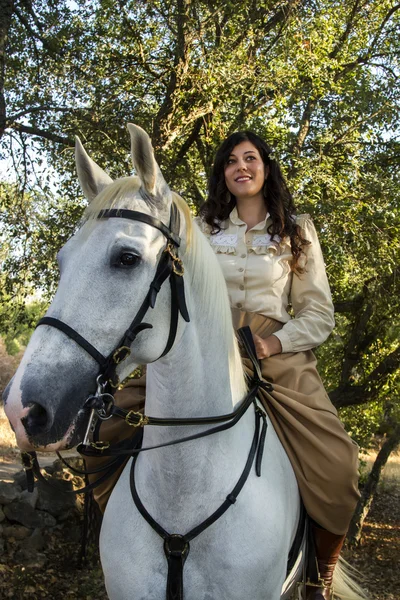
[{"x": 327, "y": 548}]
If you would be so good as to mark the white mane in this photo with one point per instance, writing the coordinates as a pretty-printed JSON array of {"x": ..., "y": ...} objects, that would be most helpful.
[{"x": 205, "y": 276}]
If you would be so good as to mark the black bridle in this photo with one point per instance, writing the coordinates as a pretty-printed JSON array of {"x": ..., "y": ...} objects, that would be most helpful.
[
  {"x": 169, "y": 266},
  {"x": 176, "y": 546}
]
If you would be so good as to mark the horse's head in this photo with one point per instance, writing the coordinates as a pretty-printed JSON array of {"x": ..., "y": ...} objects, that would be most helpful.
[{"x": 106, "y": 270}]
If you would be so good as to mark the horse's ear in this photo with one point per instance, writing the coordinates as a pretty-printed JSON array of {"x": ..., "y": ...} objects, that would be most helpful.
[
  {"x": 91, "y": 177},
  {"x": 145, "y": 164}
]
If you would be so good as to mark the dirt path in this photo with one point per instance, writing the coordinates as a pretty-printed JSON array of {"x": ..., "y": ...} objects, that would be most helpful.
[{"x": 378, "y": 556}]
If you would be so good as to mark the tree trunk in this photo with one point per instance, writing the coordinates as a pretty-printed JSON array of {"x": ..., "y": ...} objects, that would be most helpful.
[
  {"x": 368, "y": 493},
  {"x": 6, "y": 11}
]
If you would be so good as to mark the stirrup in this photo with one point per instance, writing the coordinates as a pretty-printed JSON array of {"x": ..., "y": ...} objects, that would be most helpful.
[{"x": 320, "y": 584}]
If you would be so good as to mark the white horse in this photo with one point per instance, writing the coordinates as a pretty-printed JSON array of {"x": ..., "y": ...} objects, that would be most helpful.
[{"x": 106, "y": 270}]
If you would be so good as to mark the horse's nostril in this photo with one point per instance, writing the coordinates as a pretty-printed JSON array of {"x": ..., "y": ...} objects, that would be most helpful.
[{"x": 36, "y": 420}]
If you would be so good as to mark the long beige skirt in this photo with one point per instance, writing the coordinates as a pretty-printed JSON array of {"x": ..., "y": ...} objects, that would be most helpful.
[{"x": 323, "y": 456}]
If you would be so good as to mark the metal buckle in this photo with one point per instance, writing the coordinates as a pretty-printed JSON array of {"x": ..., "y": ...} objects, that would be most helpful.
[
  {"x": 113, "y": 384},
  {"x": 27, "y": 461},
  {"x": 175, "y": 545},
  {"x": 124, "y": 350},
  {"x": 100, "y": 445},
  {"x": 177, "y": 264},
  {"x": 320, "y": 584},
  {"x": 136, "y": 419}
]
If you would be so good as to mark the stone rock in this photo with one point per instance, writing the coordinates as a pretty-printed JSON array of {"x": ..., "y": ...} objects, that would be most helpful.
[
  {"x": 18, "y": 532},
  {"x": 30, "y": 497},
  {"x": 8, "y": 492},
  {"x": 23, "y": 513},
  {"x": 75, "y": 462},
  {"x": 66, "y": 515},
  {"x": 2, "y": 546},
  {"x": 47, "y": 520},
  {"x": 72, "y": 534},
  {"x": 35, "y": 542},
  {"x": 31, "y": 558},
  {"x": 54, "y": 498},
  {"x": 51, "y": 469},
  {"x": 2, "y": 515},
  {"x": 20, "y": 479}
]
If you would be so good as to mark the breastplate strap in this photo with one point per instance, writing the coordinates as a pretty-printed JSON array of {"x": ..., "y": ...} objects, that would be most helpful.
[{"x": 176, "y": 550}]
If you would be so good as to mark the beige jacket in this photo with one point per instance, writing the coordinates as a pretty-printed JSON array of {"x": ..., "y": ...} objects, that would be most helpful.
[{"x": 259, "y": 279}]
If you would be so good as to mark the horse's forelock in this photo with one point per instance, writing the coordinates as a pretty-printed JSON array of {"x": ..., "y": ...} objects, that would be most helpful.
[{"x": 112, "y": 195}]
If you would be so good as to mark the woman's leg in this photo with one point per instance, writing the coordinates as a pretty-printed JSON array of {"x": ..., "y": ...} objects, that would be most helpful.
[
  {"x": 327, "y": 549},
  {"x": 323, "y": 456}
]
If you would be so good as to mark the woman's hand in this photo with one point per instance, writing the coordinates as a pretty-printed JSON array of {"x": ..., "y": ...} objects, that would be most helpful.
[{"x": 267, "y": 347}]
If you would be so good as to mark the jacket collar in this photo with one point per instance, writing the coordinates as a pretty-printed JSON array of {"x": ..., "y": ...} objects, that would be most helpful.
[{"x": 234, "y": 218}]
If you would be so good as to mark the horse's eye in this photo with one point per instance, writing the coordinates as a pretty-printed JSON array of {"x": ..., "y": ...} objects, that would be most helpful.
[{"x": 128, "y": 259}]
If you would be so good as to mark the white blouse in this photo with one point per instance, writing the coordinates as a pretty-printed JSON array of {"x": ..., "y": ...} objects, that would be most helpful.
[{"x": 258, "y": 276}]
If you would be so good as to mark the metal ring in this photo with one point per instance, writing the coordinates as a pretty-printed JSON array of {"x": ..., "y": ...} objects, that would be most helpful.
[
  {"x": 177, "y": 267},
  {"x": 100, "y": 384},
  {"x": 102, "y": 413}
]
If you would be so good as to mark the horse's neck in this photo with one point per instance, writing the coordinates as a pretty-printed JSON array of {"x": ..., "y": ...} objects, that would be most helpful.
[{"x": 196, "y": 379}]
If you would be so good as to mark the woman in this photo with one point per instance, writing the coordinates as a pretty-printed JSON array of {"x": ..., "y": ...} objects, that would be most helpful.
[{"x": 271, "y": 257}]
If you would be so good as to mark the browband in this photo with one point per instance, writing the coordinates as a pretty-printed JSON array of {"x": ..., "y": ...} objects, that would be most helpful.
[{"x": 134, "y": 215}]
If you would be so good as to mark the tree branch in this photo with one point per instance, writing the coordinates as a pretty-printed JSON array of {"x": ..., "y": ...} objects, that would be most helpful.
[
  {"x": 347, "y": 31},
  {"x": 367, "y": 496},
  {"x": 6, "y": 10},
  {"x": 136, "y": 33},
  {"x": 48, "y": 135},
  {"x": 188, "y": 142},
  {"x": 35, "y": 109},
  {"x": 353, "y": 348},
  {"x": 302, "y": 133},
  {"x": 346, "y": 306},
  {"x": 352, "y": 395},
  {"x": 181, "y": 49},
  {"x": 369, "y": 54},
  {"x": 280, "y": 17}
]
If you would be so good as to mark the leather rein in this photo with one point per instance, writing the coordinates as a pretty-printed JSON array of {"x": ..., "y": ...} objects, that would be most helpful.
[{"x": 102, "y": 406}]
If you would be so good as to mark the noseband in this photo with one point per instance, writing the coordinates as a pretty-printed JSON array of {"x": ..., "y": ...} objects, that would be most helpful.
[{"x": 169, "y": 266}]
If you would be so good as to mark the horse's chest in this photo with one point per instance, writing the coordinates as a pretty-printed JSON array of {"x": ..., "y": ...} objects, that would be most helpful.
[{"x": 233, "y": 559}]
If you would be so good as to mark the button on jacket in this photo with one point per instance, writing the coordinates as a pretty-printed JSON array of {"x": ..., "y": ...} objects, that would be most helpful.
[{"x": 259, "y": 279}]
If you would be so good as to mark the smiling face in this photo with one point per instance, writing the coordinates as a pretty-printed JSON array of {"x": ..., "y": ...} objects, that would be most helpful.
[{"x": 245, "y": 172}]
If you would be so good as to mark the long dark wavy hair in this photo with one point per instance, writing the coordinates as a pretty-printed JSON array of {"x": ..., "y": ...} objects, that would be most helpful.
[{"x": 277, "y": 197}]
